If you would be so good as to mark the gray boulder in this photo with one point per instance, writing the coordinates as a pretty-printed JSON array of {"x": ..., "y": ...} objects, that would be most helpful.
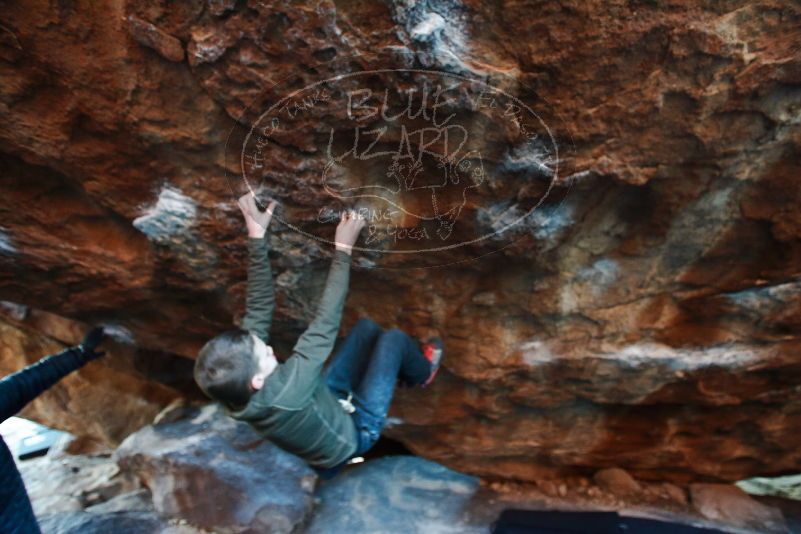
[
  {"x": 68, "y": 483},
  {"x": 216, "y": 473},
  {"x": 112, "y": 523},
  {"x": 396, "y": 494},
  {"x": 89, "y": 523}
]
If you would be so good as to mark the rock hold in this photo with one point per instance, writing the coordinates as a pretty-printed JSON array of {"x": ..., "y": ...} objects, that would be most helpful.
[
  {"x": 618, "y": 482},
  {"x": 150, "y": 36},
  {"x": 675, "y": 493}
]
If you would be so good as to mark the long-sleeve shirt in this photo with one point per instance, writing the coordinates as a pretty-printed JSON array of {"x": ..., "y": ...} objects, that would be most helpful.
[
  {"x": 261, "y": 295},
  {"x": 17, "y": 390},
  {"x": 295, "y": 409}
]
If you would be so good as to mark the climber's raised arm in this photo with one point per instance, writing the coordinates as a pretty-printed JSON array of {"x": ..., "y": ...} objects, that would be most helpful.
[
  {"x": 261, "y": 295},
  {"x": 20, "y": 388},
  {"x": 316, "y": 343}
]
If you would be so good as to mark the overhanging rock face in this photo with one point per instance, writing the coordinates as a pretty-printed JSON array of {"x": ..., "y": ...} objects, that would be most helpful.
[{"x": 645, "y": 316}]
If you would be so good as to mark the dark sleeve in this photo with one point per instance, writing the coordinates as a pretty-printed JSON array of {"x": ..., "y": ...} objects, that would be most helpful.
[
  {"x": 260, "y": 293},
  {"x": 20, "y": 388},
  {"x": 317, "y": 342}
]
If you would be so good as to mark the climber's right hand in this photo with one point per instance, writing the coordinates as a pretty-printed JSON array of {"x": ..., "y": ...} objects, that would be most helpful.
[{"x": 350, "y": 224}]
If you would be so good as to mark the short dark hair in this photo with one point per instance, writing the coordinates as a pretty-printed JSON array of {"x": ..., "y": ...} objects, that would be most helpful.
[{"x": 225, "y": 367}]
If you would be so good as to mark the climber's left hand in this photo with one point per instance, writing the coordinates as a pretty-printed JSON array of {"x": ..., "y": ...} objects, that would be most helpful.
[
  {"x": 255, "y": 219},
  {"x": 89, "y": 345}
]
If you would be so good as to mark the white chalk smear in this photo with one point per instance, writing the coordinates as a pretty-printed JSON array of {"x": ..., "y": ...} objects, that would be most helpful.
[
  {"x": 430, "y": 25},
  {"x": 174, "y": 213},
  {"x": 119, "y": 333},
  {"x": 5, "y": 243}
]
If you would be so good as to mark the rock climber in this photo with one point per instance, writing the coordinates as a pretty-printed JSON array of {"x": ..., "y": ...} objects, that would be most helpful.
[{"x": 325, "y": 415}]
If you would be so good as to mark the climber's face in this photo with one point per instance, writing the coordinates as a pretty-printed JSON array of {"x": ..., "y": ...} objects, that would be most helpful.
[{"x": 265, "y": 362}]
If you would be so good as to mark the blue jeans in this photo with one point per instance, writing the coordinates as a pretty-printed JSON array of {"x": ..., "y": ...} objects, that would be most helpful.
[{"x": 368, "y": 364}]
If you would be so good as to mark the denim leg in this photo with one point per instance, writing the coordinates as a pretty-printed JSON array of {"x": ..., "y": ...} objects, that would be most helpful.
[
  {"x": 395, "y": 354},
  {"x": 348, "y": 364}
]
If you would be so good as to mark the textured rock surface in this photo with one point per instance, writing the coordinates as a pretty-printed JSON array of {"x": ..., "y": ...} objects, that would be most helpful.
[
  {"x": 72, "y": 483},
  {"x": 617, "y": 481},
  {"x": 84, "y": 494},
  {"x": 397, "y": 494},
  {"x": 128, "y": 522},
  {"x": 387, "y": 494},
  {"x": 75, "y": 522},
  {"x": 788, "y": 487},
  {"x": 730, "y": 504},
  {"x": 646, "y": 318},
  {"x": 218, "y": 474},
  {"x": 409, "y": 494}
]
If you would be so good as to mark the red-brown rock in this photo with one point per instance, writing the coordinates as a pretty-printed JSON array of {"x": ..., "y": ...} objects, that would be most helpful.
[
  {"x": 646, "y": 316},
  {"x": 728, "y": 503},
  {"x": 149, "y": 35}
]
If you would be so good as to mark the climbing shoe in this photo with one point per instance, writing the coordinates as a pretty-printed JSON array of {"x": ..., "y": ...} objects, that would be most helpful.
[{"x": 432, "y": 350}]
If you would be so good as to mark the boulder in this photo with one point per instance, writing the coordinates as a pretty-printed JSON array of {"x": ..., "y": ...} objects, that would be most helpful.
[
  {"x": 216, "y": 473},
  {"x": 396, "y": 494},
  {"x": 729, "y": 504},
  {"x": 113, "y": 522},
  {"x": 89, "y": 523},
  {"x": 71, "y": 483}
]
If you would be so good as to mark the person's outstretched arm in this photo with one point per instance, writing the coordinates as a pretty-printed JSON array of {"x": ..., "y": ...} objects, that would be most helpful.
[
  {"x": 260, "y": 293},
  {"x": 20, "y": 388},
  {"x": 316, "y": 343}
]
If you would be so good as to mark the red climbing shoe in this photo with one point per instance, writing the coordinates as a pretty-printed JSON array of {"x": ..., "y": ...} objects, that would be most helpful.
[{"x": 432, "y": 350}]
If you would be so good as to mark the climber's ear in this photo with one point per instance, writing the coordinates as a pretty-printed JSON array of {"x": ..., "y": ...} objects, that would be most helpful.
[{"x": 257, "y": 382}]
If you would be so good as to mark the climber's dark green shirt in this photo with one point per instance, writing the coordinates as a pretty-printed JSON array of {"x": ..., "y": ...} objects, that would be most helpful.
[{"x": 295, "y": 409}]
